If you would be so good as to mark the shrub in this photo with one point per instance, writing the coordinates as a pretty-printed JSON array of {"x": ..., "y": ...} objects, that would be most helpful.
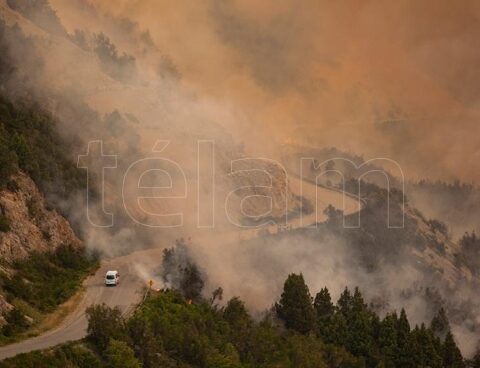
[
  {"x": 76, "y": 355},
  {"x": 104, "y": 323},
  {"x": 45, "y": 280},
  {"x": 119, "y": 354},
  {"x": 12, "y": 186},
  {"x": 8, "y": 160},
  {"x": 121, "y": 67},
  {"x": 32, "y": 208},
  {"x": 16, "y": 322},
  {"x": 4, "y": 224}
]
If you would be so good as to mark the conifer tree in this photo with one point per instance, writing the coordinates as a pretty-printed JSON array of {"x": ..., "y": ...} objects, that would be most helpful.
[
  {"x": 295, "y": 306},
  {"x": 404, "y": 356},
  {"x": 425, "y": 349},
  {"x": 235, "y": 313},
  {"x": 452, "y": 357},
  {"x": 338, "y": 331},
  {"x": 440, "y": 326},
  {"x": 388, "y": 340},
  {"x": 376, "y": 323},
  {"x": 323, "y": 304},
  {"x": 359, "y": 337},
  {"x": 324, "y": 311},
  {"x": 344, "y": 303}
]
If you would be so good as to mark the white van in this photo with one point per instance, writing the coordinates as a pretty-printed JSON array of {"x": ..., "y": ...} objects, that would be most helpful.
[{"x": 112, "y": 278}]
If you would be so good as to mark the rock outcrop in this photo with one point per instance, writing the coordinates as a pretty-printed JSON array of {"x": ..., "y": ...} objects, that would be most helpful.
[
  {"x": 33, "y": 225},
  {"x": 262, "y": 191}
]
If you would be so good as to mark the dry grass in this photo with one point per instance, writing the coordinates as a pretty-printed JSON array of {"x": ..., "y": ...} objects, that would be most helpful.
[
  {"x": 49, "y": 321},
  {"x": 52, "y": 320}
]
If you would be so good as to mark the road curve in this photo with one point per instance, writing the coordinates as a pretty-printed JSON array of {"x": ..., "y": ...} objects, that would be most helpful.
[
  {"x": 129, "y": 292},
  {"x": 73, "y": 327}
]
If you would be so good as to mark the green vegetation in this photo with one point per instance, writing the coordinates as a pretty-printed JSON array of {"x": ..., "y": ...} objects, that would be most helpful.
[
  {"x": 28, "y": 141},
  {"x": 40, "y": 283},
  {"x": 71, "y": 355},
  {"x": 295, "y": 305},
  {"x": 29, "y": 138},
  {"x": 4, "y": 224},
  {"x": 119, "y": 354},
  {"x": 105, "y": 324},
  {"x": 168, "y": 331}
]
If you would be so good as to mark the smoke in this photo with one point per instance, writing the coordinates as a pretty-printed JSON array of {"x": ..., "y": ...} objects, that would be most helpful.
[
  {"x": 387, "y": 80},
  {"x": 329, "y": 73},
  {"x": 382, "y": 79}
]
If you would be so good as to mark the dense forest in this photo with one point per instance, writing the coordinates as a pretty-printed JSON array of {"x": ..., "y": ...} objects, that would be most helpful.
[{"x": 169, "y": 330}]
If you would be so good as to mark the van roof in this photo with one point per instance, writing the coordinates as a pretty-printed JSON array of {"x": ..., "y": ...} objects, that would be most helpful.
[{"x": 111, "y": 272}]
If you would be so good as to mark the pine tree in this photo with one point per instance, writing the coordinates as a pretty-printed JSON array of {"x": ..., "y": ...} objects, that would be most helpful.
[
  {"x": 240, "y": 323},
  {"x": 324, "y": 311},
  {"x": 323, "y": 304},
  {"x": 404, "y": 356},
  {"x": 376, "y": 323},
  {"x": 425, "y": 348},
  {"x": 359, "y": 328},
  {"x": 338, "y": 331},
  {"x": 344, "y": 303},
  {"x": 436, "y": 357},
  {"x": 235, "y": 313},
  {"x": 452, "y": 357},
  {"x": 388, "y": 339},
  {"x": 295, "y": 306},
  {"x": 440, "y": 326}
]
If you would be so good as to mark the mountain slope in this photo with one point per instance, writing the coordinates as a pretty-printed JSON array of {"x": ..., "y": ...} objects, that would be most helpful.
[{"x": 33, "y": 225}]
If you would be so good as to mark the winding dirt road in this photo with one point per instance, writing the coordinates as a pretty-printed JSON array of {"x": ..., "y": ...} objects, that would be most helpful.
[{"x": 129, "y": 292}]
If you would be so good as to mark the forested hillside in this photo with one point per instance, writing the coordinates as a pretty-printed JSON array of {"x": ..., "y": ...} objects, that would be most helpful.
[
  {"x": 299, "y": 331},
  {"x": 42, "y": 261},
  {"x": 29, "y": 142}
]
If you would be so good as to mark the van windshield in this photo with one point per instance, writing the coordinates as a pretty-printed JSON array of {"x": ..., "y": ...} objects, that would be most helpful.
[{"x": 110, "y": 277}]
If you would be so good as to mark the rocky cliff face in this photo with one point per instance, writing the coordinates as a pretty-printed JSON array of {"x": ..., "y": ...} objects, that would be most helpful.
[
  {"x": 262, "y": 191},
  {"x": 33, "y": 226}
]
